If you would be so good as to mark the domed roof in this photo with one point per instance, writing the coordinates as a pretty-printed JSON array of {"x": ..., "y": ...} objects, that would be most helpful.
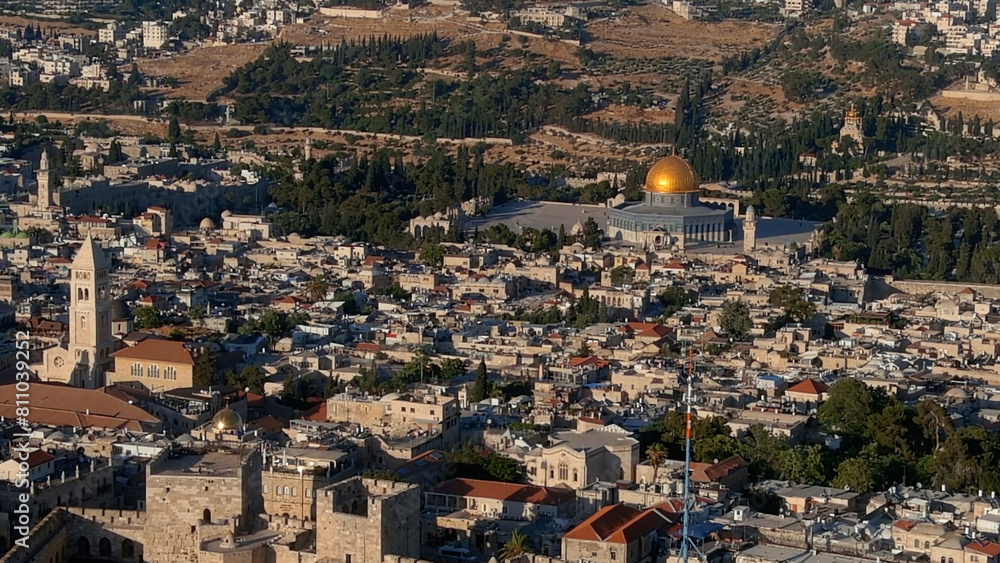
[
  {"x": 120, "y": 311},
  {"x": 227, "y": 419},
  {"x": 227, "y": 213},
  {"x": 957, "y": 393},
  {"x": 672, "y": 175},
  {"x": 206, "y": 223},
  {"x": 22, "y": 234},
  {"x": 7, "y": 234}
]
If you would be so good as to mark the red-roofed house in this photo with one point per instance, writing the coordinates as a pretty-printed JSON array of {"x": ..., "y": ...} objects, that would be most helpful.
[
  {"x": 506, "y": 501},
  {"x": 40, "y": 465},
  {"x": 808, "y": 392},
  {"x": 982, "y": 551},
  {"x": 617, "y": 534}
]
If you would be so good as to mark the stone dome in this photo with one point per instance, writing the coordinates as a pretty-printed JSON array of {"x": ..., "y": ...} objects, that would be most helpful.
[
  {"x": 120, "y": 311},
  {"x": 957, "y": 393},
  {"x": 227, "y": 419},
  {"x": 227, "y": 213},
  {"x": 206, "y": 224},
  {"x": 577, "y": 228},
  {"x": 672, "y": 175}
]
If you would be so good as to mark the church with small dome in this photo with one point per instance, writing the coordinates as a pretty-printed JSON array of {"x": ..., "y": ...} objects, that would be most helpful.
[{"x": 670, "y": 214}]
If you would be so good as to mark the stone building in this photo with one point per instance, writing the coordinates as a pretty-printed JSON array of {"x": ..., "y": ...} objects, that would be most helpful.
[
  {"x": 362, "y": 520},
  {"x": 87, "y": 357},
  {"x": 159, "y": 365},
  {"x": 184, "y": 492},
  {"x": 578, "y": 459},
  {"x": 670, "y": 213}
]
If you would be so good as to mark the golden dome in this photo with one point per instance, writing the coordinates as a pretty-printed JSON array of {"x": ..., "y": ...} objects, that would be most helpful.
[
  {"x": 227, "y": 419},
  {"x": 672, "y": 175}
]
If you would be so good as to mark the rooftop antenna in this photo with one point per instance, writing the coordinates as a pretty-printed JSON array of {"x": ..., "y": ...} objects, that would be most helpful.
[{"x": 686, "y": 541}]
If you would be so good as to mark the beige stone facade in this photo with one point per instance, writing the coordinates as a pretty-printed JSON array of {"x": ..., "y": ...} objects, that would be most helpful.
[{"x": 363, "y": 520}]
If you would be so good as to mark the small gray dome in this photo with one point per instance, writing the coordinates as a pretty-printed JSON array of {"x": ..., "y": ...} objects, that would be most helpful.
[{"x": 120, "y": 311}]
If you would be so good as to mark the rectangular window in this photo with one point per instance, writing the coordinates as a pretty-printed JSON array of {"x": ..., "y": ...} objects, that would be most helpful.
[
  {"x": 263, "y": 488},
  {"x": 614, "y": 556}
]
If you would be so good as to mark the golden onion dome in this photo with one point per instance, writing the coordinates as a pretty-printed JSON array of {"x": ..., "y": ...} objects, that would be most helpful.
[
  {"x": 672, "y": 175},
  {"x": 227, "y": 419}
]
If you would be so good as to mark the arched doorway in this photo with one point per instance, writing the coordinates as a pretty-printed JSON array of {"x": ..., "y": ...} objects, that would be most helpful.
[
  {"x": 207, "y": 516},
  {"x": 128, "y": 549},
  {"x": 104, "y": 547},
  {"x": 83, "y": 547}
]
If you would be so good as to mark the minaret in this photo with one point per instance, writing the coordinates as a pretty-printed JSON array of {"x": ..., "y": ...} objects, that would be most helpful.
[
  {"x": 750, "y": 230},
  {"x": 44, "y": 181},
  {"x": 308, "y": 152},
  {"x": 90, "y": 340}
]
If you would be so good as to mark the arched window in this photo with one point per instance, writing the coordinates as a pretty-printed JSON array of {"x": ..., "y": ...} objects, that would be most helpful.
[
  {"x": 263, "y": 488},
  {"x": 83, "y": 547},
  {"x": 207, "y": 516},
  {"x": 927, "y": 545},
  {"x": 154, "y": 371},
  {"x": 575, "y": 476},
  {"x": 293, "y": 491},
  {"x": 104, "y": 547},
  {"x": 916, "y": 543},
  {"x": 170, "y": 373},
  {"x": 951, "y": 560},
  {"x": 137, "y": 369},
  {"x": 563, "y": 472},
  {"x": 277, "y": 491},
  {"x": 128, "y": 549},
  {"x": 287, "y": 491}
]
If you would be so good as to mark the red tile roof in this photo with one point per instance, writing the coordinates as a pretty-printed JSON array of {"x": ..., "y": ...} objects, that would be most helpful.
[
  {"x": 63, "y": 405},
  {"x": 505, "y": 491},
  {"x": 622, "y": 524},
  {"x": 905, "y": 524},
  {"x": 985, "y": 547},
  {"x": 168, "y": 351},
  {"x": 809, "y": 386}
]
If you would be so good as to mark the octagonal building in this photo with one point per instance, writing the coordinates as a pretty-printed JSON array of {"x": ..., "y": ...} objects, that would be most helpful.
[{"x": 670, "y": 214}]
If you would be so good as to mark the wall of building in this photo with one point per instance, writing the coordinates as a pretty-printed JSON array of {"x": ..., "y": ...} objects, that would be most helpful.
[{"x": 367, "y": 519}]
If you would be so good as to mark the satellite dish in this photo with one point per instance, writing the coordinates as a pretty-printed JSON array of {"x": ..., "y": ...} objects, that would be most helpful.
[{"x": 920, "y": 485}]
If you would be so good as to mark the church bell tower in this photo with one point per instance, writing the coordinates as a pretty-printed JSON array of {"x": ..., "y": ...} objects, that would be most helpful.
[
  {"x": 91, "y": 343},
  {"x": 44, "y": 181}
]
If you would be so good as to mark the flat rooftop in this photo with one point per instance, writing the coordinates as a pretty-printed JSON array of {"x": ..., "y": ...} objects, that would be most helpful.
[
  {"x": 223, "y": 463},
  {"x": 541, "y": 215}
]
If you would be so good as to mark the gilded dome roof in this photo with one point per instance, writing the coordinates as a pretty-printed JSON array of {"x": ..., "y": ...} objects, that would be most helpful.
[
  {"x": 672, "y": 175},
  {"x": 227, "y": 419}
]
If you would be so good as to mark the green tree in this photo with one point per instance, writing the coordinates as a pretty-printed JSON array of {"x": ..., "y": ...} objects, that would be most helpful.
[
  {"x": 173, "y": 130},
  {"x": 622, "y": 275},
  {"x": 253, "y": 377},
  {"x": 146, "y": 317},
  {"x": 793, "y": 302},
  {"x": 674, "y": 298},
  {"x": 591, "y": 234},
  {"x": 197, "y": 313},
  {"x": 452, "y": 368},
  {"x": 432, "y": 254},
  {"x": 735, "y": 320},
  {"x": 514, "y": 548},
  {"x": 480, "y": 389},
  {"x": 657, "y": 454},
  {"x": 856, "y": 473},
  {"x": 205, "y": 371},
  {"x": 848, "y": 405},
  {"x": 273, "y": 323},
  {"x": 382, "y": 475},
  {"x": 216, "y": 143},
  {"x": 316, "y": 289}
]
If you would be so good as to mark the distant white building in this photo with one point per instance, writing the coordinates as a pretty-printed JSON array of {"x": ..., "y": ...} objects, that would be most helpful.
[{"x": 154, "y": 35}]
